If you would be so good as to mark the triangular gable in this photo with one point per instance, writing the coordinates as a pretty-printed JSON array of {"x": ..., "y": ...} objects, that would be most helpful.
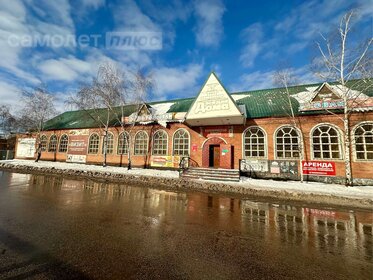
[
  {"x": 213, "y": 101},
  {"x": 325, "y": 93}
]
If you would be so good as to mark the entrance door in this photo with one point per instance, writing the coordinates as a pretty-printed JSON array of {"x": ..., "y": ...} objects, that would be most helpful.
[{"x": 214, "y": 156}]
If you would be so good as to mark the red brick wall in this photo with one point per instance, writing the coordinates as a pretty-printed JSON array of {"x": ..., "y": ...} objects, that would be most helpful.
[{"x": 360, "y": 169}]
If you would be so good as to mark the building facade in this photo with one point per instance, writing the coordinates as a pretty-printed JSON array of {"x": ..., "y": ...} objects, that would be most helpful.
[{"x": 252, "y": 131}]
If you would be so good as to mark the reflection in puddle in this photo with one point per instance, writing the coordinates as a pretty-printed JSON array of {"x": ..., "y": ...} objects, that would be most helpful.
[{"x": 312, "y": 229}]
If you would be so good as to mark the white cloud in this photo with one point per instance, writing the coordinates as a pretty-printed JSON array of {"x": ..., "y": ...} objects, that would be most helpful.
[
  {"x": 94, "y": 4},
  {"x": 264, "y": 79},
  {"x": 252, "y": 37},
  {"x": 9, "y": 95},
  {"x": 177, "y": 81},
  {"x": 65, "y": 69},
  {"x": 209, "y": 29}
]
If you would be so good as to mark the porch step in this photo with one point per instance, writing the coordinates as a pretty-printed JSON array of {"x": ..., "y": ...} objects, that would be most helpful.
[{"x": 230, "y": 175}]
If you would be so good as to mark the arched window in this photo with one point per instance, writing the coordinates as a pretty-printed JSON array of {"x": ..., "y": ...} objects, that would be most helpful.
[
  {"x": 52, "y": 143},
  {"x": 64, "y": 141},
  {"x": 254, "y": 142},
  {"x": 363, "y": 135},
  {"x": 160, "y": 143},
  {"x": 43, "y": 143},
  {"x": 141, "y": 143},
  {"x": 181, "y": 143},
  {"x": 94, "y": 143},
  {"x": 123, "y": 140},
  {"x": 109, "y": 143},
  {"x": 287, "y": 143},
  {"x": 325, "y": 141}
]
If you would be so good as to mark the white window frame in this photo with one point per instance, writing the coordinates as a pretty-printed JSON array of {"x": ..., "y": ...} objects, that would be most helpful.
[
  {"x": 353, "y": 141},
  {"x": 113, "y": 144},
  {"x": 126, "y": 143},
  {"x": 339, "y": 143},
  {"x": 275, "y": 142},
  {"x": 67, "y": 144},
  {"x": 173, "y": 142},
  {"x": 153, "y": 142},
  {"x": 146, "y": 150},
  {"x": 89, "y": 144},
  {"x": 265, "y": 143},
  {"x": 46, "y": 143},
  {"x": 55, "y": 145}
]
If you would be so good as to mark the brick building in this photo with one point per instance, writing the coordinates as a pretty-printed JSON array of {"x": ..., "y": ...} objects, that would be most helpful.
[{"x": 251, "y": 131}]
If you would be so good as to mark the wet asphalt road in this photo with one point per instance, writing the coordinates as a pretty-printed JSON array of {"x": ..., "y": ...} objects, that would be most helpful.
[{"x": 55, "y": 228}]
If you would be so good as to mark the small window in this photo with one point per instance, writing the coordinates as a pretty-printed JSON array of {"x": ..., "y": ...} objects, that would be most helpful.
[
  {"x": 160, "y": 143},
  {"x": 326, "y": 143},
  {"x": 141, "y": 143},
  {"x": 52, "y": 143},
  {"x": 43, "y": 143},
  {"x": 123, "y": 140},
  {"x": 254, "y": 143},
  {"x": 287, "y": 143},
  {"x": 181, "y": 143},
  {"x": 94, "y": 143},
  {"x": 64, "y": 141},
  {"x": 110, "y": 144},
  {"x": 364, "y": 141}
]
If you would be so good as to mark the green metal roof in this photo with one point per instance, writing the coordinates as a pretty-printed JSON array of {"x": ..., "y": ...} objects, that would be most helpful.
[{"x": 258, "y": 103}]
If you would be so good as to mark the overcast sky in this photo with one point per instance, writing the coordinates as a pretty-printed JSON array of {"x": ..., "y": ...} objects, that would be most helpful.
[{"x": 61, "y": 43}]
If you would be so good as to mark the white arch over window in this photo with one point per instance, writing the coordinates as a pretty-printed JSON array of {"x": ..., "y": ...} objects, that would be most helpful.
[
  {"x": 181, "y": 143},
  {"x": 94, "y": 143},
  {"x": 363, "y": 141},
  {"x": 160, "y": 143},
  {"x": 287, "y": 142},
  {"x": 141, "y": 143},
  {"x": 64, "y": 141},
  {"x": 52, "y": 143},
  {"x": 123, "y": 140},
  {"x": 254, "y": 142},
  {"x": 326, "y": 142}
]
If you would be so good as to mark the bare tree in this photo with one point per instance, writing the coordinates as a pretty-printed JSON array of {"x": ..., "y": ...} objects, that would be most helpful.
[
  {"x": 104, "y": 100},
  {"x": 101, "y": 97},
  {"x": 38, "y": 107},
  {"x": 140, "y": 87},
  {"x": 350, "y": 64},
  {"x": 285, "y": 78},
  {"x": 7, "y": 120}
]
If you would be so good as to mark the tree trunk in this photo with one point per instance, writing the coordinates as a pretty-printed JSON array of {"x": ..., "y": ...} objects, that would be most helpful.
[
  {"x": 347, "y": 150},
  {"x": 105, "y": 147}
]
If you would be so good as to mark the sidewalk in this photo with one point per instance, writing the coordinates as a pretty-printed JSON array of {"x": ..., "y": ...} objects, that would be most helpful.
[{"x": 291, "y": 187}]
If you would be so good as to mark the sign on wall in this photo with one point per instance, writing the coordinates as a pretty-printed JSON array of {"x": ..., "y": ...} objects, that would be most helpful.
[
  {"x": 320, "y": 168},
  {"x": 254, "y": 165},
  {"x": 26, "y": 147},
  {"x": 284, "y": 167},
  {"x": 217, "y": 131},
  {"x": 77, "y": 148},
  {"x": 165, "y": 161}
]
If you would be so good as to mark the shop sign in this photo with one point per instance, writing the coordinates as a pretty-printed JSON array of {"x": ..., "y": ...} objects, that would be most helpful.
[
  {"x": 283, "y": 167},
  {"x": 76, "y": 158},
  {"x": 254, "y": 165},
  {"x": 217, "y": 131},
  {"x": 77, "y": 148},
  {"x": 165, "y": 161},
  {"x": 323, "y": 105},
  {"x": 194, "y": 147},
  {"x": 320, "y": 168},
  {"x": 26, "y": 147}
]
